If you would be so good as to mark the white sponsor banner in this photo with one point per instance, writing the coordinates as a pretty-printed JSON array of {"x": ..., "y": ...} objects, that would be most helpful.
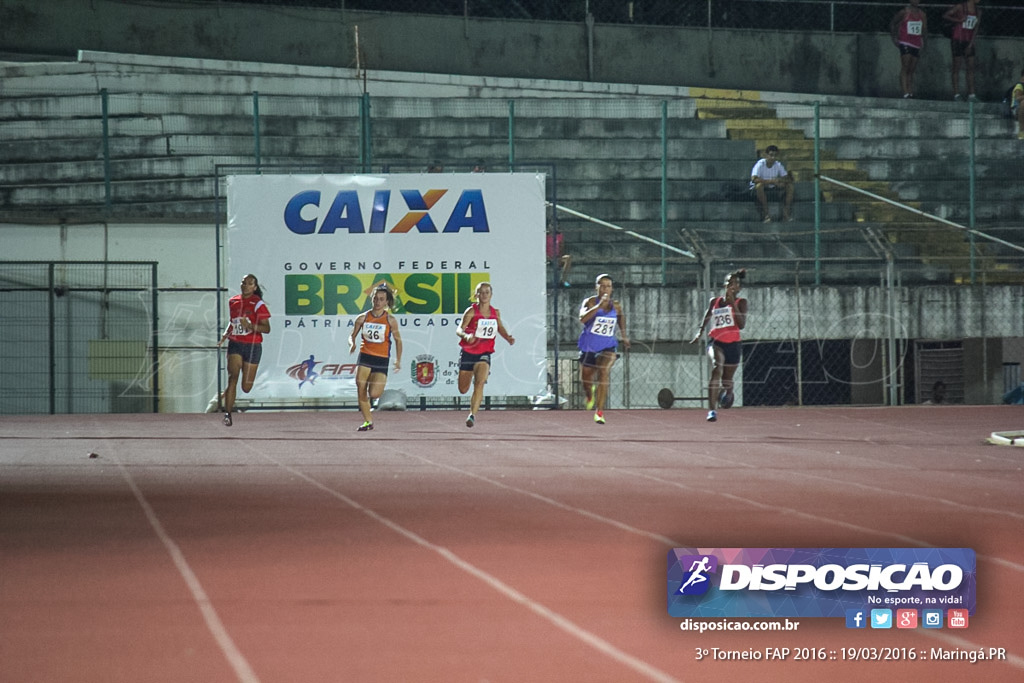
[{"x": 318, "y": 243}]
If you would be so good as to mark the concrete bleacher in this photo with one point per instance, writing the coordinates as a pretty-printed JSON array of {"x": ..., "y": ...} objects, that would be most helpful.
[{"x": 172, "y": 123}]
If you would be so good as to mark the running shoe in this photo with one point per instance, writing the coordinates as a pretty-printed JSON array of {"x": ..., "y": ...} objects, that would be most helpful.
[
  {"x": 590, "y": 399},
  {"x": 470, "y": 421},
  {"x": 599, "y": 418},
  {"x": 712, "y": 416},
  {"x": 365, "y": 427},
  {"x": 972, "y": 98},
  {"x": 227, "y": 419},
  {"x": 958, "y": 97}
]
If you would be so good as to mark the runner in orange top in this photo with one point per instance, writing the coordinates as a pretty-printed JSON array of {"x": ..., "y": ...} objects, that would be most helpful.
[{"x": 375, "y": 328}]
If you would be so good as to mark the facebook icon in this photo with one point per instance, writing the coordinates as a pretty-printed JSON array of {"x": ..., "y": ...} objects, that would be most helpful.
[{"x": 855, "y": 618}]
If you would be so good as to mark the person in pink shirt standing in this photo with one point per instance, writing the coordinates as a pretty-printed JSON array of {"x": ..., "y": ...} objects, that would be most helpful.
[
  {"x": 909, "y": 28},
  {"x": 965, "y": 17}
]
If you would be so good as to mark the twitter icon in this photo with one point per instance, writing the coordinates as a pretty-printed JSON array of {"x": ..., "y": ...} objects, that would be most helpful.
[{"x": 881, "y": 618}]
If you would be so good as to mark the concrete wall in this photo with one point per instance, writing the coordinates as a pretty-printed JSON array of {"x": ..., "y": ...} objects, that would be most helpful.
[{"x": 799, "y": 62}]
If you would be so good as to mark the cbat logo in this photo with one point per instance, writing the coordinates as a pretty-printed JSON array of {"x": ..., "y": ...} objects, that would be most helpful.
[
  {"x": 696, "y": 580},
  {"x": 424, "y": 370},
  {"x": 304, "y": 214},
  {"x": 305, "y": 371}
]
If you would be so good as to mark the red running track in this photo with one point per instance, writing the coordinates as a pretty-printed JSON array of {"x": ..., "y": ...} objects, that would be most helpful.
[{"x": 530, "y": 548}]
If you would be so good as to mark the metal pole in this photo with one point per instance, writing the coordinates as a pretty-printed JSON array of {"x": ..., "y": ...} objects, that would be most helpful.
[
  {"x": 511, "y": 135},
  {"x": 218, "y": 256},
  {"x": 51, "y": 314},
  {"x": 105, "y": 103},
  {"x": 890, "y": 267},
  {"x": 156, "y": 340},
  {"x": 592, "y": 219},
  {"x": 971, "y": 171},
  {"x": 918, "y": 212},
  {"x": 557, "y": 265},
  {"x": 799, "y": 344},
  {"x": 590, "y": 46},
  {"x": 817, "y": 193},
  {"x": 365, "y": 135},
  {"x": 256, "y": 127},
  {"x": 664, "y": 186}
]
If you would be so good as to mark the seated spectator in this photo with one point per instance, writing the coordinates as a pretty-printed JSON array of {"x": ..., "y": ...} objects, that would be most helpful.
[
  {"x": 770, "y": 179},
  {"x": 938, "y": 393}
]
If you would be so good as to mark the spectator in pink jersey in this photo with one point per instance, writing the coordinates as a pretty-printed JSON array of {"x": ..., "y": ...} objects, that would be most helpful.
[
  {"x": 909, "y": 28},
  {"x": 966, "y": 17}
]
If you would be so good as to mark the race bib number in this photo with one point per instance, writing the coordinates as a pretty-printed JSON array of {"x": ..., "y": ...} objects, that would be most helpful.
[
  {"x": 970, "y": 22},
  {"x": 914, "y": 28},
  {"x": 721, "y": 317},
  {"x": 604, "y": 326},
  {"x": 486, "y": 329},
  {"x": 373, "y": 332},
  {"x": 236, "y": 327}
]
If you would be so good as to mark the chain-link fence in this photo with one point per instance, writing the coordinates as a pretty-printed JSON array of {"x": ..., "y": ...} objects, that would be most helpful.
[
  {"x": 815, "y": 345},
  {"x": 874, "y": 179},
  {"x": 902, "y": 266},
  {"x": 1001, "y": 19},
  {"x": 78, "y": 337}
]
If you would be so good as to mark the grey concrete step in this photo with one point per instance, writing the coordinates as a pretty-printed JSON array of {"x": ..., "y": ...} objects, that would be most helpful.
[
  {"x": 865, "y": 128},
  {"x": 622, "y": 212},
  {"x": 883, "y": 147}
]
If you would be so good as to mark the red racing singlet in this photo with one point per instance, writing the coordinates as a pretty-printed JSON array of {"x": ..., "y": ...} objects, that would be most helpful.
[
  {"x": 723, "y": 322},
  {"x": 964, "y": 31},
  {"x": 484, "y": 328},
  {"x": 911, "y": 30},
  {"x": 252, "y": 308}
]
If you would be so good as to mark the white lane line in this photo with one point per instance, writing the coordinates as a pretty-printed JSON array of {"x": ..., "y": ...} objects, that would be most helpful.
[
  {"x": 604, "y": 647},
  {"x": 1014, "y": 660},
  {"x": 227, "y": 646},
  {"x": 549, "y": 501}
]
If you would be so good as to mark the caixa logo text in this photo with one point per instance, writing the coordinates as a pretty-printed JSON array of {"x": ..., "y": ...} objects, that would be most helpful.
[
  {"x": 830, "y": 577},
  {"x": 308, "y": 213}
]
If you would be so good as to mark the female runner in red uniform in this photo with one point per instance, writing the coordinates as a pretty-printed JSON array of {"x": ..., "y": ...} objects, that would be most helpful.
[
  {"x": 250, "y": 320},
  {"x": 481, "y": 324},
  {"x": 376, "y": 327},
  {"x": 728, "y": 315}
]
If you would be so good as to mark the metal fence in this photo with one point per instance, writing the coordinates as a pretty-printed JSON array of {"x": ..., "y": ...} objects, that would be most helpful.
[
  {"x": 849, "y": 16},
  {"x": 864, "y": 299},
  {"x": 78, "y": 337},
  {"x": 875, "y": 180},
  {"x": 815, "y": 345}
]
